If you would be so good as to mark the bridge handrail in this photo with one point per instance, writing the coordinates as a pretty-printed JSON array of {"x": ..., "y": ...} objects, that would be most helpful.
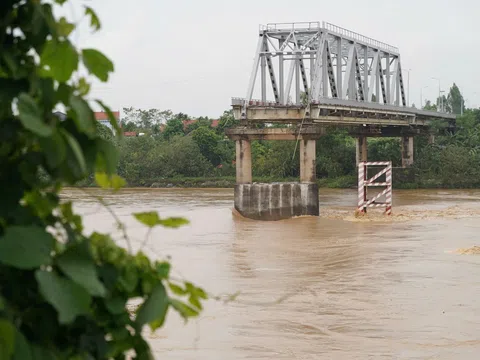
[
  {"x": 307, "y": 25},
  {"x": 356, "y": 36}
]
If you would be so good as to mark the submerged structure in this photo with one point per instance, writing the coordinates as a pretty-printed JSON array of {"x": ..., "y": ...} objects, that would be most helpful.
[{"x": 308, "y": 76}]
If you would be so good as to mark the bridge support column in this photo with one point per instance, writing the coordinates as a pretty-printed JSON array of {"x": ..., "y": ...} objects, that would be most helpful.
[
  {"x": 308, "y": 163},
  {"x": 278, "y": 200},
  {"x": 407, "y": 151},
  {"x": 244, "y": 161},
  {"x": 362, "y": 149}
]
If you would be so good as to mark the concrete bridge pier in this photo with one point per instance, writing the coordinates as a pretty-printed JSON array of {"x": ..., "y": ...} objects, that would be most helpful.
[
  {"x": 276, "y": 201},
  {"x": 244, "y": 161},
  {"x": 407, "y": 151},
  {"x": 362, "y": 149},
  {"x": 308, "y": 162}
]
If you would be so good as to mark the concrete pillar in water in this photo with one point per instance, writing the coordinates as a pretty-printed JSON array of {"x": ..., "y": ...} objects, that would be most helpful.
[
  {"x": 278, "y": 201},
  {"x": 407, "y": 151},
  {"x": 431, "y": 139},
  {"x": 244, "y": 161},
  {"x": 308, "y": 163},
  {"x": 362, "y": 149}
]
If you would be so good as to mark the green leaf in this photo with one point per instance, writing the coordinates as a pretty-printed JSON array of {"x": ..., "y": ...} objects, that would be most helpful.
[
  {"x": 64, "y": 92},
  {"x": 84, "y": 117},
  {"x": 149, "y": 218},
  {"x": 77, "y": 151},
  {"x": 111, "y": 117},
  {"x": 173, "y": 222},
  {"x": 26, "y": 247},
  {"x": 154, "y": 309},
  {"x": 61, "y": 58},
  {"x": 195, "y": 302},
  {"x": 7, "y": 339},
  {"x": 2, "y": 303},
  {"x": 94, "y": 20},
  {"x": 47, "y": 89},
  {"x": 97, "y": 64},
  {"x": 83, "y": 87},
  {"x": 105, "y": 181},
  {"x": 107, "y": 156},
  {"x": 163, "y": 269},
  {"x": 77, "y": 263},
  {"x": 183, "y": 309},
  {"x": 69, "y": 299},
  {"x": 31, "y": 116},
  {"x": 40, "y": 353},
  {"x": 22, "y": 347},
  {"x": 54, "y": 148},
  {"x": 177, "y": 290},
  {"x": 129, "y": 278},
  {"x": 64, "y": 28},
  {"x": 115, "y": 305}
]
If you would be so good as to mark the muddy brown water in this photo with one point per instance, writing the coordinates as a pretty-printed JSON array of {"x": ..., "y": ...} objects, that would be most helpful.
[{"x": 332, "y": 287}]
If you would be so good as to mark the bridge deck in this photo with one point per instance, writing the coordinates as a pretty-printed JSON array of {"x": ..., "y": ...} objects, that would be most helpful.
[{"x": 337, "y": 111}]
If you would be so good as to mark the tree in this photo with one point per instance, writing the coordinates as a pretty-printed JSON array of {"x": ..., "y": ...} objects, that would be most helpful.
[
  {"x": 227, "y": 120},
  {"x": 207, "y": 141},
  {"x": 430, "y": 106},
  {"x": 455, "y": 100},
  {"x": 443, "y": 104},
  {"x": 174, "y": 127},
  {"x": 200, "y": 122},
  {"x": 104, "y": 131},
  {"x": 146, "y": 119},
  {"x": 63, "y": 292}
]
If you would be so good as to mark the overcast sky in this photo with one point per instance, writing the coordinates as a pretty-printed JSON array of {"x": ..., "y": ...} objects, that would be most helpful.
[{"x": 192, "y": 56}]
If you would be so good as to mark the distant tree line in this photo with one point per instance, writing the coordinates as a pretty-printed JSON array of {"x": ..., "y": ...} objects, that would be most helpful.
[{"x": 171, "y": 149}]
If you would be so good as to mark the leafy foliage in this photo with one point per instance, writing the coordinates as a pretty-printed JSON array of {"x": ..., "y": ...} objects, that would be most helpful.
[
  {"x": 452, "y": 161},
  {"x": 63, "y": 294}
]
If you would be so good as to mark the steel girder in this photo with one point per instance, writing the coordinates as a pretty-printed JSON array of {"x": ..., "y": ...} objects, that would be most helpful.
[{"x": 342, "y": 65}]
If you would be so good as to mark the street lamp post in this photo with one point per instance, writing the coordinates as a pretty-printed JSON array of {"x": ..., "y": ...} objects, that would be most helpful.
[{"x": 439, "y": 98}]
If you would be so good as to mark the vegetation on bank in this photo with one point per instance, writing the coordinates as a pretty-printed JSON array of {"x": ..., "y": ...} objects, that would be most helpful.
[
  {"x": 200, "y": 155},
  {"x": 63, "y": 292}
]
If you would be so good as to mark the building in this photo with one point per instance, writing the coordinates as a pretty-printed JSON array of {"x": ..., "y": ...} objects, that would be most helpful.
[
  {"x": 60, "y": 115},
  {"x": 102, "y": 117}
]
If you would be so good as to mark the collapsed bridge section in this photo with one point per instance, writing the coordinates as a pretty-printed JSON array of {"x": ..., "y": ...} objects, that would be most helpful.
[{"x": 322, "y": 75}]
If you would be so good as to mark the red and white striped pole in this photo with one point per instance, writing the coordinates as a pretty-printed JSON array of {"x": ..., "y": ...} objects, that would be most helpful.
[
  {"x": 362, "y": 196},
  {"x": 388, "y": 199}
]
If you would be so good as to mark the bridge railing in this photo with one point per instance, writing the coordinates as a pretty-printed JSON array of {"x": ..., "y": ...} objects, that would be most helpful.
[
  {"x": 311, "y": 25},
  {"x": 359, "y": 37}
]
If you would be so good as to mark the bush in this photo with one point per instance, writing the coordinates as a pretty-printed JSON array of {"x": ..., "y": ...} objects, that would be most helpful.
[{"x": 63, "y": 293}]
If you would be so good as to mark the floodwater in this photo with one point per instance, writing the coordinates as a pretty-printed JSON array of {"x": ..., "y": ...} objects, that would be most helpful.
[{"x": 328, "y": 287}]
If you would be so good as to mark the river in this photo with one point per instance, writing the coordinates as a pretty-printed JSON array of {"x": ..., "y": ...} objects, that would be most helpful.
[{"x": 328, "y": 287}]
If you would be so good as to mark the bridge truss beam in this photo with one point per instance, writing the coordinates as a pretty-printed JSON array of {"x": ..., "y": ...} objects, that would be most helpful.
[{"x": 342, "y": 65}]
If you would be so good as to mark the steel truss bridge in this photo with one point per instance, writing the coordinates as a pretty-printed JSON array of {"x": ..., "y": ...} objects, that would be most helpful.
[{"x": 325, "y": 74}]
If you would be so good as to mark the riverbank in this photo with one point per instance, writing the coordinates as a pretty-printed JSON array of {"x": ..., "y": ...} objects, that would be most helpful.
[{"x": 344, "y": 182}]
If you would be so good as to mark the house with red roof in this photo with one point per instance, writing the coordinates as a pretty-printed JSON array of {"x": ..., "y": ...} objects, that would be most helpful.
[{"x": 102, "y": 117}]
